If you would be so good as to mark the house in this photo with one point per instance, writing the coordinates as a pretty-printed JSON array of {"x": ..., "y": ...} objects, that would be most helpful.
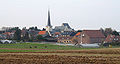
[
  {"x": 75, "y": 38},
  {"x": 32, "y": 34},
  {"x": 119, "y": 33},
  {"x": 7, "y": 35},
  {"x": 47, "y": 37},
  {"x": 43, "y": 33},
  {"x": 56, "y": 34},
  {"x": 112, "y": 38},
  {"x": 63, "y": 27},
  {"x": 2, "y": 36},
  {"x": 90, "y": 37},
  {"x": 66, "y": 37},
  {"x": 23, "y": 32}
]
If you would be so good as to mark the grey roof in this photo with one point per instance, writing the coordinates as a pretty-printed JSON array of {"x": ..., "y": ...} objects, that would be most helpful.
[
  {"x": 66, "y": 24},
  {"x": 68, "y": 33},
  {"x": 90, "y": 45}
]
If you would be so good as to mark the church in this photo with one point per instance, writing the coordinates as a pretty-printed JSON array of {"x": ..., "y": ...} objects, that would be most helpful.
[
  {"x": 52, "y": 34},
  {"x": 63, "y": 28}
]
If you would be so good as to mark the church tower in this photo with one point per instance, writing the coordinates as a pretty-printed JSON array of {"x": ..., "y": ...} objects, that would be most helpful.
[{"x": 49, "y": 26}]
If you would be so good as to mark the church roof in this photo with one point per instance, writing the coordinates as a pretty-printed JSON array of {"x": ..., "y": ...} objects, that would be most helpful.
[
  {"x": 67, "y": 25},
  {"x": 49, "y": 21}
]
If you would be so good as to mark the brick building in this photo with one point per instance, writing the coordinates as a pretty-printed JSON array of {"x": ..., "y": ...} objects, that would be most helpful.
[
  {"x": 112, "y": 38},
  {"x": 90, "y": 37}
]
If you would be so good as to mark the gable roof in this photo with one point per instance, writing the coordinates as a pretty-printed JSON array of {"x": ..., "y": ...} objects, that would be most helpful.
[
  {"x": 78, "y": 33},
  {"x": 70, "y": 33},
  {"x": 93, "y": 33},
  {"x": 110, "y": 38},
  {"x": 67, "y": 25},
  {"x": 6, "y": 33},
  {"x": 57, "y": 33},
  {"x": 42, "y": 32}
]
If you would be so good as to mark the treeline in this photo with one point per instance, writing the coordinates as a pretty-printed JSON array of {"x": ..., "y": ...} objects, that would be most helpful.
[
  {"x": 24, "y": 34},
  {"x": 108, "y": 31}
]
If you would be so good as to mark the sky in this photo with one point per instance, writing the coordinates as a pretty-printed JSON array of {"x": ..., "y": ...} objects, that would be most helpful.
[{"x": 80, "y": 14}]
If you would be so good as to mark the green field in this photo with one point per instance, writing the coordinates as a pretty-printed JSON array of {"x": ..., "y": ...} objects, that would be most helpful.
[
  {"x": 30, "y": 53},
  {"x": 35, "y": 47}
]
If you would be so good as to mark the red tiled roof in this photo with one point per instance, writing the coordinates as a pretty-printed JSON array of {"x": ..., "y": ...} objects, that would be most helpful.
[
  {"x": 93, "y": 33},
  {"x": 78, "y": 33},
  {"x": 42, "y": 32},
  {"x": 110, "y": 38},
  {"x": 57, "y": 33},
  {"x": 7, "y": 33}
]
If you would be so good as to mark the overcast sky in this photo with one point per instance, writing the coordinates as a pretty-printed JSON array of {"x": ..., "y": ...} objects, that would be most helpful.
[{"x": 80, "y": 14}]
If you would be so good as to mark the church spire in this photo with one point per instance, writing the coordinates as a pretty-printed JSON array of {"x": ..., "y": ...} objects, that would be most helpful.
[
  {"x": 49, "y": 21},
  {"x": 49, "y": 26}
]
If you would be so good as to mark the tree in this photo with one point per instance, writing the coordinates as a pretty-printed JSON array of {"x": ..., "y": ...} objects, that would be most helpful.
[
  {"x": 17, "y": 35},
  {"x": 1, "y": 42},
  {"x": 31, "y": 28},
  {"x": 26, "y": 37},
  {"x": 108, "y": 31},
  {"x": 12, "y": 29},
  {"x": 36, "y": 28},
  {"x": 43, "y": 29},
  {"x": 40, "y": 38},
  {"x": 115, "y": 33},
  {"x": 79, "y": 31}
]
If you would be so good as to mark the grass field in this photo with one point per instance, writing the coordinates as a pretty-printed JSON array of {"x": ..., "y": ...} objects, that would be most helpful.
[
  {"x": 28, "y": 53},
  {"x": 35, "y": 47}
]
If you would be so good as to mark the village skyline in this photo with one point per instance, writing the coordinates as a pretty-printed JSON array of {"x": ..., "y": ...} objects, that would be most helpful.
[
  {"x": 59, "y": 31},
  {"x": 80, "y": 14}
]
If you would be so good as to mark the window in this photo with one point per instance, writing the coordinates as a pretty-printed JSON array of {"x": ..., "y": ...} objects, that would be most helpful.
[
  {"x": 76, "y": 36},
  {"x": 116, "y": 38},
  {"x": 110, "y": 39},
  {"x": 67, "y": 38}
]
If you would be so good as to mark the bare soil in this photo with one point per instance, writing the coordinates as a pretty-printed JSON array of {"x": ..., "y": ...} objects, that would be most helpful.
[{"x": 97, "y": 56}]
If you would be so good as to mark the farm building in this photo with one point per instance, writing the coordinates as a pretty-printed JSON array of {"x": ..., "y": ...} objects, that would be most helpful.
[{"x": 90, "y": 37}]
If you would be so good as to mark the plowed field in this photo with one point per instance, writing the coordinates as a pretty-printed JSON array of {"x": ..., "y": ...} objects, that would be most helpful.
[{"x": 94, "y": 56}]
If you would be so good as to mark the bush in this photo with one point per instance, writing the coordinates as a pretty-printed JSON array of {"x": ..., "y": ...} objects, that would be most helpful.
[
  {"x": 6, "y": 42},
  {"x": 112, "y": 44},
  {"x": 1, "y": 42}
]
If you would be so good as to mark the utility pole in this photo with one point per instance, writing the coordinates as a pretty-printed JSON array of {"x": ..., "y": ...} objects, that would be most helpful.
[{"x": 81, "y": 37}]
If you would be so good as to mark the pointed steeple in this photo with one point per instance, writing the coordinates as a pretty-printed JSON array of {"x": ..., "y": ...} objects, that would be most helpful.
[
  {"x": 49, "y": 26},
  {"x": 49, "y": 21}
]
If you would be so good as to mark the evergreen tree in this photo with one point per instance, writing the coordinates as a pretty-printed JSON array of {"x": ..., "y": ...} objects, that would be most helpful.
[
  {"x": 17, "y": 35},
  {"x": 36, "y": 29},
  {"x": 26, "y": 36},
  {"x": 115, "y": 33},
  {"x": 108, "y": 31}
]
